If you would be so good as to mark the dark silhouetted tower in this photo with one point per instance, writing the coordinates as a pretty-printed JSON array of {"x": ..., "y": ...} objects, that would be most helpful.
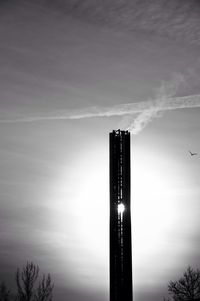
[{"x": 120, "y": 218}]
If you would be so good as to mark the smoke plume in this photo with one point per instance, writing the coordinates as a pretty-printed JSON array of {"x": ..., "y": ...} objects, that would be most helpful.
[{"x": 166, "y": 91}]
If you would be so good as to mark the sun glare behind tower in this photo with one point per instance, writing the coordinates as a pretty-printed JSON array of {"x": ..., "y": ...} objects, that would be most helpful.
[{"x": 120, "y": 218}]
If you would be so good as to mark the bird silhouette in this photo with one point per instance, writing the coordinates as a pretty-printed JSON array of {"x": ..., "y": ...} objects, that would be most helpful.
[{"x": 192, "y": 154}]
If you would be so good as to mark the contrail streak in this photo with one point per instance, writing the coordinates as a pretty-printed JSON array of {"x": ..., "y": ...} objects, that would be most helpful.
[{"x": 147, "y": 108}]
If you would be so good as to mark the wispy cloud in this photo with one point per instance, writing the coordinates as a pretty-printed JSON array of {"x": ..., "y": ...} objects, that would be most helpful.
[
  {"x": 147, "y": 110},
  {"x": 135, "y": 116},
  {"x": 176, "y": 19}
]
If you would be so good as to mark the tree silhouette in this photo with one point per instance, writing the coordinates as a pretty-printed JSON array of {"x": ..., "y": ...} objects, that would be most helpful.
[
  {"x": 4, "y": 292},
  {"x": 26, "y": 281},
  {"x": 187, "y": 288},
  {"x": 44, "y": 290},
  {"x": 29, "y": 286}
]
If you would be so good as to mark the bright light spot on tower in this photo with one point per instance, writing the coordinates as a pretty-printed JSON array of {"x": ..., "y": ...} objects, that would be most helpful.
[{"x": 121, "y": 208}]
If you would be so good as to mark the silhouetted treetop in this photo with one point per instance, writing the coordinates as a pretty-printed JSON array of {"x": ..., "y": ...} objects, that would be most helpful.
[
  {"x": 4, "y": 292},
  {"x": 28, "y": 289},
  {"x": 187, "y": 288},
  {"x": 29, "y": 286}
]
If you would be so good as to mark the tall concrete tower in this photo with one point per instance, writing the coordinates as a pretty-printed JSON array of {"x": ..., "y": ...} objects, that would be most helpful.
[{"x": 120, "y": 218}]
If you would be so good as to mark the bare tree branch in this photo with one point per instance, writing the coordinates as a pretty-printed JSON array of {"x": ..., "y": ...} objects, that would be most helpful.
[
  {"x": 187, "y": 288},
  {"x": 45, "y": 289},
  {"x": 4, "y": 293},
  {"x": 29, "y": 286},
  {"x": 25, "y": 280}
]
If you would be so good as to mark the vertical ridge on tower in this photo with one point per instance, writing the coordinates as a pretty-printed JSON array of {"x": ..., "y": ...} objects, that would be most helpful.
[{"x": 120, "y": 217}]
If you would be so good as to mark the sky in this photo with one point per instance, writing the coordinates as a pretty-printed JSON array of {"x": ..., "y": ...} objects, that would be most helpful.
[{"x": 71, "y": 72}]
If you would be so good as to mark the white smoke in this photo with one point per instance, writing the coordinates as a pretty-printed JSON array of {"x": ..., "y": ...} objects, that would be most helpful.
[
  {"x": 141, "y": 121},
  {"x": 166, "y": 91}
]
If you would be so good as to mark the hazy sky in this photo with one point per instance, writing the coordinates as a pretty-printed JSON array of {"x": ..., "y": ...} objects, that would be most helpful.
[{"x": 62, "y": 57}]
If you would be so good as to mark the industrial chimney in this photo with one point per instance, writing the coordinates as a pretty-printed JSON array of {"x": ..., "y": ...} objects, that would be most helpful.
[{"x": 120, "y": 218}]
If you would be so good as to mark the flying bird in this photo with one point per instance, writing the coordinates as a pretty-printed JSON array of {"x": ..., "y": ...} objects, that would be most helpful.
[{"x": 193, "y": 154}]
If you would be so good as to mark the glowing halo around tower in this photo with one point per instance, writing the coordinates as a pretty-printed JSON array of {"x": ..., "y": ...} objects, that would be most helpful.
[{"x": 78, "y": 214}]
